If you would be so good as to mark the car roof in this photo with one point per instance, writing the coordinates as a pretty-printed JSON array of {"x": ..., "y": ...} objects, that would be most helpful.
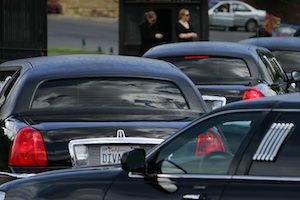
[
  {"x": 230, "y": 1},
  {"x": 275, "y": 43},
  {"x": 228, "y": 49},
  {"x": 286, "y": 102},
  {"x": 95, "y": 64},
  {"x": 37, "y": 70}
]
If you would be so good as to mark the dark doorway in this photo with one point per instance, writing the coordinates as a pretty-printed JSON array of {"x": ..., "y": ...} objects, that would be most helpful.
[
  {"x": 132, "y": 14},
  {"x": 164, "y": 21}
]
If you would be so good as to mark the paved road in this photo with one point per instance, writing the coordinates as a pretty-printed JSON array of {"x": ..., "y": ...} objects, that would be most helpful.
[{"x": 66, "y": 32}]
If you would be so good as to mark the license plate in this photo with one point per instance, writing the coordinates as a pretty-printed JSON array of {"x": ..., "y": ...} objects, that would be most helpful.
[{"x": 111, "y": 155}]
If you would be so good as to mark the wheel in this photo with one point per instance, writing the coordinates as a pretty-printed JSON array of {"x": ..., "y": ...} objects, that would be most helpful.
[{"x": 251, "y": 26}]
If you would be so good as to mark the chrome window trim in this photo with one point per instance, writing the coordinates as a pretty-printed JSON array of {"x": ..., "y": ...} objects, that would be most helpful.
[
  {"x": 221, "y": 177},
  {"x": 266, "y": 178},
  {"x": 176, "y": 176},
  {"x": 189, "y": 176}
]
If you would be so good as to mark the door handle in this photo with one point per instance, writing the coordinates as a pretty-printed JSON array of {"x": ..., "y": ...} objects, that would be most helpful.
[
  {"x": 191, "y": 196},
  {"x": 195, "y": 197}
]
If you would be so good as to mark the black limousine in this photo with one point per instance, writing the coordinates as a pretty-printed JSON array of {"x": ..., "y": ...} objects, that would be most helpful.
[
  {"x": 246, "y": 150},
  {"x": 84, "y": 110}
]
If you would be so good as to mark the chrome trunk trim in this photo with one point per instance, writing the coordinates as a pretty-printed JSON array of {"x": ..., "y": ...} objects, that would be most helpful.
[
  {"x": 14, "y": 175},
  {"x": 110, "y": 141}
]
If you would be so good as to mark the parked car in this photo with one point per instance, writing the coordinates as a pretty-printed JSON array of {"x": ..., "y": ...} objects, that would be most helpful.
[
  {"x": 246, "y": 151},
  {"x": 59, "y": 112},
  {"x": 234, "y": 14},
  {"x": 286, "y": 30},
  {"x": 230, "y": 70},
  {"x": 286, "y": 50},
  {"x": 211, "y": 3}
]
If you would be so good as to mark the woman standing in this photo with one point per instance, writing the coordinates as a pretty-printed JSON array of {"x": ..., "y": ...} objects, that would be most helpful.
[
  {"x": 184, "y": 30},
  {"x": 271, "y": 23},
  {"x": 150, "y": 33}
]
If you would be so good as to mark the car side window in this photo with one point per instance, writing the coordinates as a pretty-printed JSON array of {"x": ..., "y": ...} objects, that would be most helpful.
[
  {"x": 225, "y": 8},
  {"x": 240, "y": 8},
  {"x": 206, "y": 148},
  {"x": 284, "y": 159}
]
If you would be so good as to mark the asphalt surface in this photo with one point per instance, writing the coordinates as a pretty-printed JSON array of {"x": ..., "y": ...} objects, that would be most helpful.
[
  {"x": 95, "y": 33},
  {"x": 67, "y": 32}
]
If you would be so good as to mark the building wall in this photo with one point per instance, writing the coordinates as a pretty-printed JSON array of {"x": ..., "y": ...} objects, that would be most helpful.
[
  {"x": 289, "y": 13},
  {"x": 91, "y": 8}
]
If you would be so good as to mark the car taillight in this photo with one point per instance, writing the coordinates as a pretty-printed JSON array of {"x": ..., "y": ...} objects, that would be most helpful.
[
  {"x": 28, "y": 149},
  {"x": 209, "y": 142},
  {"x": 195, "y": 57},
  {"x": 252, "y": 94}
]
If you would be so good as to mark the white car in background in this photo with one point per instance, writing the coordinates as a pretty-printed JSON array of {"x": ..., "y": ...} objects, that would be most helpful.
[{"x": 234, "y": 14}]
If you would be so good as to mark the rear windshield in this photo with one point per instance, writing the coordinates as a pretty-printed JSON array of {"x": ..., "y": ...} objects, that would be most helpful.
[
  {"x": 108, "y": 93},
  {"x": 213, "y": 69},
  {"x": 289, "y": 60}
]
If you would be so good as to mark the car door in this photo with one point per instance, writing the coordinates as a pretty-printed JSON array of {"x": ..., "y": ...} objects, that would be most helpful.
[
  {"x": 197, "y": 163},
  {"x": 273, "y": 169},
  {"x": 222, "y": 16},
  {"x": 241, "y": 14}
]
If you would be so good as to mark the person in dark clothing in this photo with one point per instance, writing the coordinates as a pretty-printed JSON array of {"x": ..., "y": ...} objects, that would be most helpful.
[
  {"x": 184, "y": 30},
  {"x": 150, "y": 33},
  {"x": 297, "y": 34},
  {"x": 271, "y": 23}
]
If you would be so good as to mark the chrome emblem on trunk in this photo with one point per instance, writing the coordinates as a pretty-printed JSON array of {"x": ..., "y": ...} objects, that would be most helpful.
[{"x": 121, "y": 133}]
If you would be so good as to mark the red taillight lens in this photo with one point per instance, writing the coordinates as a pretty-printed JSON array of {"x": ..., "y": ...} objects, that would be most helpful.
[
  {"x": 28, "y": 149},
  {"x": 195, "y": 57},
  {"x": 252, "y": 94},
  {"x": 209, "y": 142}
]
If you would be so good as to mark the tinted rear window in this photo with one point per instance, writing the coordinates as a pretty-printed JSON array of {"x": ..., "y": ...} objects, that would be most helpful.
[
  {"x": 289, "y": 60},
  {"x": 216, "y": 69},
  {"x": 109, "y": 93}
]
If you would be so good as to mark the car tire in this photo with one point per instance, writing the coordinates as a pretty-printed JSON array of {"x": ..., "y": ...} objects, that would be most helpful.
[{"x": 251, "y": 25}]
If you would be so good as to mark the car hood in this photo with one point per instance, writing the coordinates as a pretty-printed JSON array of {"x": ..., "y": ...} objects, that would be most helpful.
[{"x": 68, "y": 182}]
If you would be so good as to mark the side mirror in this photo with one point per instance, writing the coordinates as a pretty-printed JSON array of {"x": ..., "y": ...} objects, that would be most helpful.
[
  {"x": 295, "y": 76},
  {"x": 134, "y": 161},
  {"x": 216, "y": 10}
]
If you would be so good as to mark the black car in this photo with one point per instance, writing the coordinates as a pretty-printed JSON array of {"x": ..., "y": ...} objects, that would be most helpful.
[
  {"x": 230, "y": 70},
  {"x": 246, "y": 150},
  {"x": 286, "y": 50},
  {"x": 59, "y": 112}
]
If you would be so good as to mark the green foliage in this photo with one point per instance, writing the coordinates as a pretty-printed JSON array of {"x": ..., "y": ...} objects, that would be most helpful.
[{"x": 62, "y": 51}]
